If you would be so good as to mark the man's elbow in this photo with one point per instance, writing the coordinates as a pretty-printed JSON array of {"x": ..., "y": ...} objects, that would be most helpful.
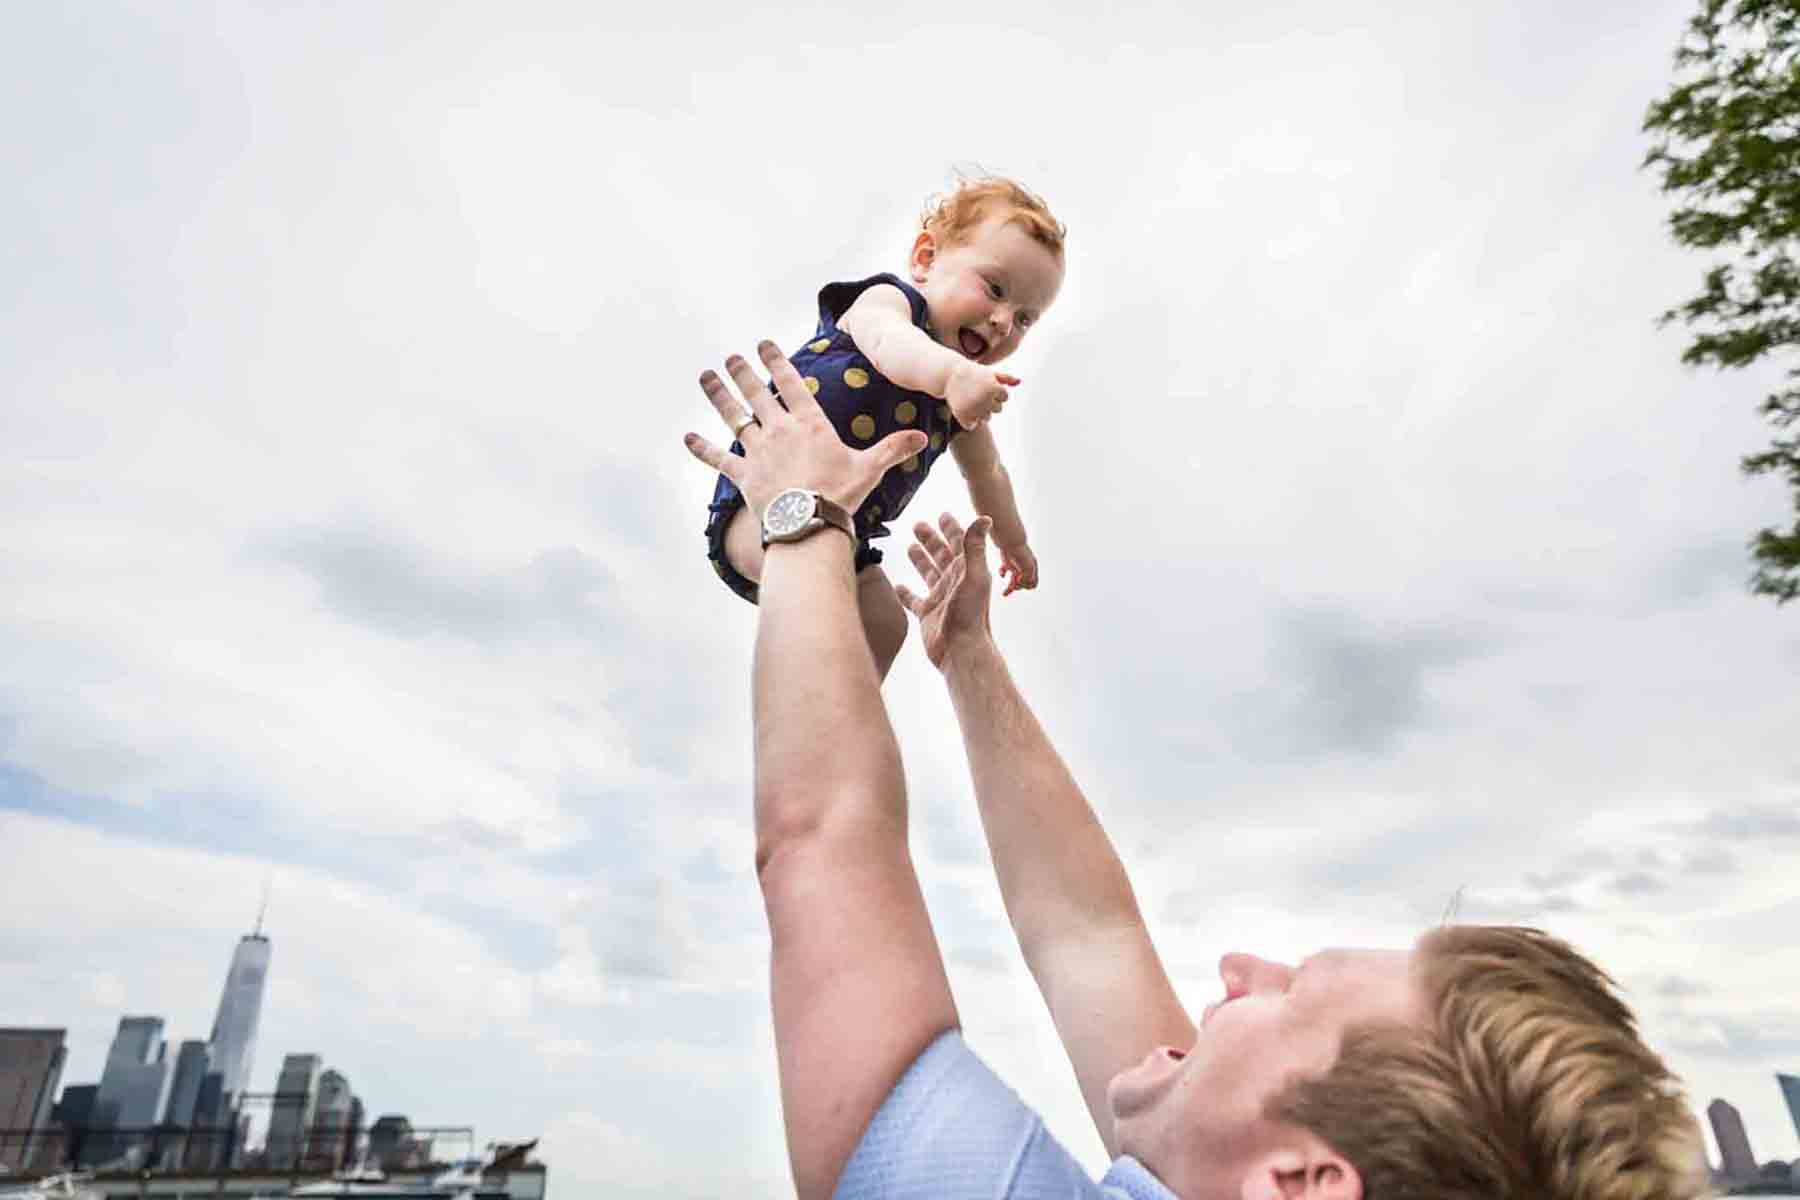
[
  {"x": 802, "y": 823},
  {"x": 778, "y": 835}
]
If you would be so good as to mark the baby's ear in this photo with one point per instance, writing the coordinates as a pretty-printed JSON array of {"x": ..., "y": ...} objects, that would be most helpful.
[{"x": 924, "y": 253}]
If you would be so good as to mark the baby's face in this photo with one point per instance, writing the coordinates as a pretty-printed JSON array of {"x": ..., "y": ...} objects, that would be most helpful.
[{"x": 984, "y": 294}]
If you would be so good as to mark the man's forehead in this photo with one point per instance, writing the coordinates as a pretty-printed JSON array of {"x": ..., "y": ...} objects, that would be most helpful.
[{"x": 1367, "y": 963}]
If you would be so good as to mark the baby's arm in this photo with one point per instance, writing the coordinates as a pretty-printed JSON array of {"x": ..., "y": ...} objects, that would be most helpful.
[
  {"x": 991, "y": 492},
  {"x": 880, "y": 322}
]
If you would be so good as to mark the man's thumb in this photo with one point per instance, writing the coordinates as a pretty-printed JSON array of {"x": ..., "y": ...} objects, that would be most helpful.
[
  {"x": 896, "y": 447},
  {"x": 975, "y": 541}
]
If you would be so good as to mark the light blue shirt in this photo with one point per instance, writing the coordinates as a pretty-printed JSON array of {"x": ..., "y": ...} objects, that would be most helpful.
[{"x": 952, "y": 1130}]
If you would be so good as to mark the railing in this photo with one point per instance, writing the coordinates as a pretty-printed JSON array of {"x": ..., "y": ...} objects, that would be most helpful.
[{"x": 173, "y": 1149}]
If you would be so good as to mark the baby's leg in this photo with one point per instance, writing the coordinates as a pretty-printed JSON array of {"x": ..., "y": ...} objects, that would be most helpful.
[
  {"x": 883, "y": 617},
  {"x": 743, "y": 544}
]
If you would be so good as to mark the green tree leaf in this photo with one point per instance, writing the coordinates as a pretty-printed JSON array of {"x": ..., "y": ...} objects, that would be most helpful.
[{"x": 1727, "y": 145}]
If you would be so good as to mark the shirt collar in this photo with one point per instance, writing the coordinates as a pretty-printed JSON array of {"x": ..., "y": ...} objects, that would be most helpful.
[{"x": 1132, "y": 1180}]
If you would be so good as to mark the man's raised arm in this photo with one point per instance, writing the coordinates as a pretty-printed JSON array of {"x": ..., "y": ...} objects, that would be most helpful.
[
  {"x": 1066, "y": 892},
  {"x": 856, "y": 977}
]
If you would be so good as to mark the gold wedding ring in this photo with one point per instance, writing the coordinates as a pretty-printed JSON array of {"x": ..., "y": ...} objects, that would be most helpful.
[{"x": 738, "y": 427}]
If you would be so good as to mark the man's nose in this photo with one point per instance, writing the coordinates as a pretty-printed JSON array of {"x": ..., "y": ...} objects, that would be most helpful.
[{"x": 1244, "y": 973}]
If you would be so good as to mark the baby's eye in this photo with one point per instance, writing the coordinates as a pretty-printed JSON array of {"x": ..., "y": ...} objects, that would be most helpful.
[
  {"x": 994, "y": 290},
  {"x": 1026, "y": 320}
]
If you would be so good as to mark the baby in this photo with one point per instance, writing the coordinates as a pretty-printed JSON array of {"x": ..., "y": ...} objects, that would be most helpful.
[{"x": 919, "y": 353}]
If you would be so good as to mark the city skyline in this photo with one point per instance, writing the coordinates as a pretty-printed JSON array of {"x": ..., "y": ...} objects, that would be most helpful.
[
  {"x": 305, "y": 1089},
  {"x": 312, "y": 1117},
  {"x": 138, "y": 1076}
]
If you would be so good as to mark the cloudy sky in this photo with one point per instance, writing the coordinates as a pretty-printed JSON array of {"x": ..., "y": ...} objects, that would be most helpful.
[{"x": 1388, "y": 552}]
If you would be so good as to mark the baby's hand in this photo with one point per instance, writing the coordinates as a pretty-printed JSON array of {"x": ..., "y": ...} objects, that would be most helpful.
[
  {"x": 977, "y": 393},
  {"x": 1019, "y": 567}
]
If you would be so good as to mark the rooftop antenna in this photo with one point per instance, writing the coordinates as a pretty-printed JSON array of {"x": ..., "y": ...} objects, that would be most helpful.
[
  {"x": 1455, "y": 906},
  {"x": 263, "y": 911}
]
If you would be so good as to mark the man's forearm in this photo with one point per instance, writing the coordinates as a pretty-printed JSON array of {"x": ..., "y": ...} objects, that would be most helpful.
[
  {"x": 1057, "y": 869},
  {"x": 825, "y": 749},
  {"x": 1065, "y": 890},
  {"x": 849, "y": 938}
]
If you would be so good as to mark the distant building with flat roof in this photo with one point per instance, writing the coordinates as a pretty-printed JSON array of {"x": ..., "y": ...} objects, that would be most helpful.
[
  {"x": 390, "y": 1141},
  {"x": 329, "y": 1147},
  {"x": 191, "y": 1064},
  {"x": 291, "y": 1115},
  {"x": 31, "y": 1064},
  {"x": 1736, "y": 1162},
  {"x": 134, "y": 1087}
]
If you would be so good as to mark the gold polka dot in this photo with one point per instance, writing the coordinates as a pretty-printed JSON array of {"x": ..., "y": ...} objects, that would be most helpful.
[
  {"x": 943, "y": 412},
  {"x": 937, "y": 442},
  {"x": 812, "y": 385},
  {"x": 910, "y": 464},
  {"x": 856, "y": 377},
  {"x": 862, "y": 425},
  {"x": 820, "y": 346},
  {"x": 874, "y": 512},
  {"x": 905, "y": 411}
]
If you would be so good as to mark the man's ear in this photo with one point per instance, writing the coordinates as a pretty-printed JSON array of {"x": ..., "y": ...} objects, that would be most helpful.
[
  {"x": 1314, "y": 1172},
  {"x": 924, "y": 252}
]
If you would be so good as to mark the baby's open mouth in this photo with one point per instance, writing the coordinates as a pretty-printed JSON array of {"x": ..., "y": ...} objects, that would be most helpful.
[{"x": 972, "y": 343}]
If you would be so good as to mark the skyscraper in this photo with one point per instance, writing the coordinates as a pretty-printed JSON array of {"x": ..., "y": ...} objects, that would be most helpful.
[
  {"x": 1790, "y": 1091},
  {"x": 233, "y": 1040},
  {"x": 231, "y": 1049},
  {"x": 291, "y": 1116},
  {"x": 134, "y": 1087},
  {"x": 1735, "y": 1160},
  {"x": 31, "y": 1063},
  {"x": 330, "y": 1123},
  {"x": 191, "y": 1065}
]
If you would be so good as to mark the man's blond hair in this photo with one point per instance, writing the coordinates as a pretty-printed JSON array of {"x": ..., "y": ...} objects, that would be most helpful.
[{"x": 1531, "y": 1082}]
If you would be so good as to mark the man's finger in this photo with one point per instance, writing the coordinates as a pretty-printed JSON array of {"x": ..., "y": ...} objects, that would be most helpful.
[
  {"x": 722, "y": 461},
  {"x": 794, "y": 392},
  {"x": 975, "y": 544},
  {"x": 753, "y": 388},
  {"x": 732, "y": 411},
  {"x": 935, "y": 545},
  {"x": 953, "y": 531},
  {"x": 921, "y": 561}
]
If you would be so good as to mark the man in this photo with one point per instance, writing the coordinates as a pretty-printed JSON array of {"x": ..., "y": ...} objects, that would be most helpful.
[{"x": 1479, "y": 1063}]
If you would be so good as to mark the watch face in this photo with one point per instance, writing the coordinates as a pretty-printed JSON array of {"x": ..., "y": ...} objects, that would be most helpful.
[{"x": 788, "y": 512}]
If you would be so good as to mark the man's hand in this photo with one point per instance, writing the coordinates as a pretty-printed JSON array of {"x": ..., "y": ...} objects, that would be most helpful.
[
  {"x": 1019, "y": 567},
  {"x": 954, "y": 566},
  {"x": 790, "y": 443},
  {"x": 977, "y": 393}
]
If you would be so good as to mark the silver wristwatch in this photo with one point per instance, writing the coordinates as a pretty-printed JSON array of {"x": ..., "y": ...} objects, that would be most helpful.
[{"x": 798, "y": 512}]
